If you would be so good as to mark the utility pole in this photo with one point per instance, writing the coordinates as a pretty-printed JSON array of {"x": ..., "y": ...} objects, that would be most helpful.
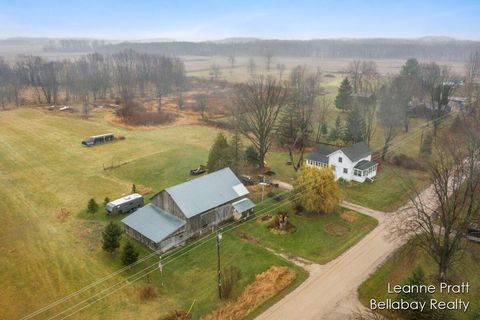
[
  {"x": 160, "y": 266},
  {"x": 219, "y": 277},
  {"x": 263, "y": 184}
]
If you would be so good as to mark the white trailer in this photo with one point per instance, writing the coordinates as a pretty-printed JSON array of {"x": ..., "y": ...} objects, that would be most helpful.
[{"x": 125, "y": 204}]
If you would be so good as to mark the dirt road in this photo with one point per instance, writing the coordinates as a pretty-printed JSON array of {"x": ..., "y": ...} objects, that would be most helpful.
[{"x": 331, "y": 290}]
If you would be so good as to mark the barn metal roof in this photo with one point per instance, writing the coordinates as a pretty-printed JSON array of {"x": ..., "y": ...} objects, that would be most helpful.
[
  {"x": 207, "y": 192},
  {"x": 243, "y": 205},
  {"x": 153, "y": 222}
]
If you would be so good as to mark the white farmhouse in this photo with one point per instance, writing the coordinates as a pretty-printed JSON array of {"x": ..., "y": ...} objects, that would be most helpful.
[{"x": 349, "y": 163}]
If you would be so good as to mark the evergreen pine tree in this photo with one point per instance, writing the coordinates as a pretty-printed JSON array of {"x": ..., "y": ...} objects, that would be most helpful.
[
  {"x": 337, "y": 132},
  {"x": 251, "y": 155},
  {"x": 92, "y": 206},
  {"x": 111, "y": 237},
  {"x": 355, "y": 126},
  {"x": 219, "y": 156},
  {"x": 324, "y": 128},
  {"x": 129, "y": 254},
  {"x": 344, "y": 99},
  {"x": 236, "y": 151}
]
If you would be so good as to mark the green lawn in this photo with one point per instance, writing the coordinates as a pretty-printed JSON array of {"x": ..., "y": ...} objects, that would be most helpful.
[
  {"x": 44, "y": 169},
  {"x": 389, "y": 191},
  {"x": 399, "y": 267},
  {"x": 318, "y": 238}
]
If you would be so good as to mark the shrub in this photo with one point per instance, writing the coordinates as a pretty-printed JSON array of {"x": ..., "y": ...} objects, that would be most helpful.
[
  {"x": 147, "y": 293},
  {"x": 230, "y": 276},
  {"x": 176, "y": 315},
  {"x": 92, "y": 206},
  {"x": 406, "y": 162}
]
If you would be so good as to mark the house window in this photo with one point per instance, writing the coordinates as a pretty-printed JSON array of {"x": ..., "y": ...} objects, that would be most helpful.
[
  {"x": 340, "y": 159},
  {"x": 345, "y": 170}
]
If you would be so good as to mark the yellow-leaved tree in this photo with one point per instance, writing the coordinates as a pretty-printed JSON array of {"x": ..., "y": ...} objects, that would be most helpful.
[{"x": 317, "y": 191}]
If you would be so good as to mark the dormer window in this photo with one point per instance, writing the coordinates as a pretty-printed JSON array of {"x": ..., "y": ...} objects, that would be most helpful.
[{"x": 340, "y": 159}]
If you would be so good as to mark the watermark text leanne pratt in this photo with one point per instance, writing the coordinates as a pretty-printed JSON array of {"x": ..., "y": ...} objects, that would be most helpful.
[{"x": 435, "y": 304}]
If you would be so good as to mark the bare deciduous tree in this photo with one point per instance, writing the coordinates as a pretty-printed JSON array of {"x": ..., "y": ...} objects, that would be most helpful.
[
  {"x": 259, "y": 102},
  {"x": 389, "y": 115},
  {"x": 439, "y": 220},
  {"x": 295, "y": 125},
  {"x": 435, "y": 82}
]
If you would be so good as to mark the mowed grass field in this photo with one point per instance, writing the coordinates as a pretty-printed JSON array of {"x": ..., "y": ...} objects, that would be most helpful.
[{"x": 43, "y": 169}]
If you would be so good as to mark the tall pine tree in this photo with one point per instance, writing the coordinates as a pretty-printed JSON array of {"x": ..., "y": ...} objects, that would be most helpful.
[
  {"x": 111, "y": 237},
  {"x": 344, "y": 98},
  {"x": 129, "y": 254},
  {"x": 219, "y": 156},
  {"x": 355, "y": 126},
  {"x": 337, "y": 133}
]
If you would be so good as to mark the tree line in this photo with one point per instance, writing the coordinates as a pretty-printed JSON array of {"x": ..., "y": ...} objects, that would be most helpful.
[
  {"x": 94, "y": 76},
  {"x": 324, "y": 48}
]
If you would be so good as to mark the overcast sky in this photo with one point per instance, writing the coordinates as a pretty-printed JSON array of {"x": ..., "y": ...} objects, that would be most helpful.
[{"x": 198, "y": 20}]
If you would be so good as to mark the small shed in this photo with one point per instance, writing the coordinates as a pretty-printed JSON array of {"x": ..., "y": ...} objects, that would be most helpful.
[{"x": 242, "y": 208}]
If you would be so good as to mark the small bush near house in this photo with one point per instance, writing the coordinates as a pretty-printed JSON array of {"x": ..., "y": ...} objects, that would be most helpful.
[{"x": 230, "y": 276}]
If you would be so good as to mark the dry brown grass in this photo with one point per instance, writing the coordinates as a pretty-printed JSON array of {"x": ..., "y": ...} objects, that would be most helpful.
[
  {"x": 265, "y": 286},
  {"x": 62, "y": 215},
  {"x": 349, "y": 216},
  {"x": 147, "y": 292}
]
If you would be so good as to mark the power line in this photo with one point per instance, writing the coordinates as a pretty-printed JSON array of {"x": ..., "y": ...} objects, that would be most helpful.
[{"x": 193, "y": 245}]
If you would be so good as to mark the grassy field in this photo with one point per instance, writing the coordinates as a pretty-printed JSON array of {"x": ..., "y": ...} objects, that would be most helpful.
[
  {"x": 318, "y": 238},
  {"x": 400, "y": 266},
  {"x": 201, "y": 65},
  {"x": 44, "y": 169}
]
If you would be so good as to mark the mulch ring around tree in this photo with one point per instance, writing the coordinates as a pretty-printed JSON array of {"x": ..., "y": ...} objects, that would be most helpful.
[{"x": 280, "y": 224}]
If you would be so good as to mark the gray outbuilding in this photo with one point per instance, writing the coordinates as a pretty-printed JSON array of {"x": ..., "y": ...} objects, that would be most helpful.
[{"x": 200, "y": 203}]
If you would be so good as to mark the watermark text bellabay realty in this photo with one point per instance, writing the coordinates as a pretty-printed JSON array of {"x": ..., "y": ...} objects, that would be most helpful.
[{"x": 403, "y": 304}]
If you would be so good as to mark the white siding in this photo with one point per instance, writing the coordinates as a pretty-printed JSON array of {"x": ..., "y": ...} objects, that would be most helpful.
[{"x": 344, "y": 164}]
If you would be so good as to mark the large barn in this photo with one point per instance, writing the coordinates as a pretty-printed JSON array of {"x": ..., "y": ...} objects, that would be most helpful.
[{"x": 177, "y": 213}]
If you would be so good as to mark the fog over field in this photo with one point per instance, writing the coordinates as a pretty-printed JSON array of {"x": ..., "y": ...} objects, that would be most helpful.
[{"x": 254, "y": 159}]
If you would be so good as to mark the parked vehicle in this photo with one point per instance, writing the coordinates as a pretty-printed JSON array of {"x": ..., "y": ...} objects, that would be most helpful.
[
  {"x": 197, "y": 171},
  {"x": 473, "y": 232},
  {"x": 125, "y": 204},
  {"x": 247, "y": 180},
  {"x": 93, "y": 140}
]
